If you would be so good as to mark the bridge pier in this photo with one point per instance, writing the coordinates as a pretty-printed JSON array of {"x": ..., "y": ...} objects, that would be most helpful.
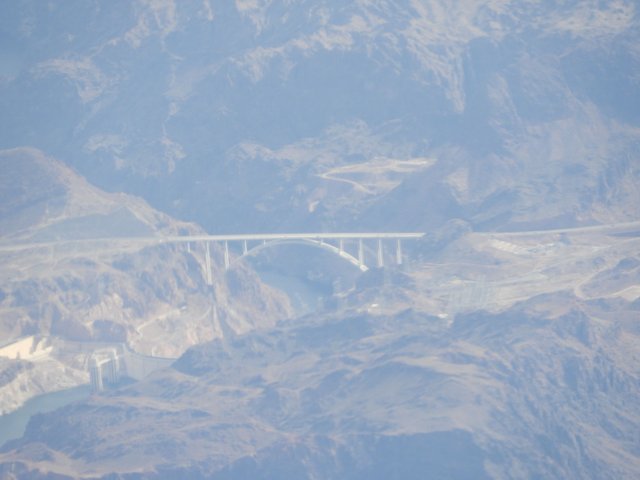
[
  {"x": 208, "y": 264},
  {"x": 334, "y": 242}
]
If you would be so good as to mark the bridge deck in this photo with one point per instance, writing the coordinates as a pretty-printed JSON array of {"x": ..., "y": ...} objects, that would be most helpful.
[
  {"x": 151, "y": 240},
  {"x": 291, "y": 236}
]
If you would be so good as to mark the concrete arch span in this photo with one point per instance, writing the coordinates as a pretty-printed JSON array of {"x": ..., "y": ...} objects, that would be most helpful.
[
  {"x": 337, "y": 250},
  {"x": 332, "y": 242}
]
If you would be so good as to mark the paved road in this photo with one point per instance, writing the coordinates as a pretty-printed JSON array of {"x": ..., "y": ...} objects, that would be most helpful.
[{"x": 9, "y": 247}]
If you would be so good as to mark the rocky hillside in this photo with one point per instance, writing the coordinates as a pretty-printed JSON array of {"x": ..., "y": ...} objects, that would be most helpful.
[
  {"x": 68, "y": 273},
  {"x": 73, "y": 269},
  {"x": 504, "y": 357},
  {"x": 316, "y": 114},
  {"x": 504, "y": 395},
  {"x": 506, "y": 130}
]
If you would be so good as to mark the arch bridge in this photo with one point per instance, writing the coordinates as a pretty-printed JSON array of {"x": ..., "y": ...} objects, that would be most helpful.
[{"x": 349, "y": 246}]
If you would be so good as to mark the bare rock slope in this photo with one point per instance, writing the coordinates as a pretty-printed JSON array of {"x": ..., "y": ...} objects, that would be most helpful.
[
  {"x": 505, "y": 356},
  {"x": 78, "y": 266}
]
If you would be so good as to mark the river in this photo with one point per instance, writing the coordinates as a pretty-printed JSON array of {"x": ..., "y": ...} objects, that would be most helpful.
[
  {"x": 305, "y": 298},
  {"x": 12, "y": 425}
]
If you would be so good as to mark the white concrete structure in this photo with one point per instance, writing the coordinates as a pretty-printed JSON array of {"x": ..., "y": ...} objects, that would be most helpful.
[
  {"x": 251, "y": 244},
  {"x": 27, "y": 348},
  {"x": 108, "y": 365},
  {"x": 137, "y": 366},
  {"x": 104, "y": 368}
]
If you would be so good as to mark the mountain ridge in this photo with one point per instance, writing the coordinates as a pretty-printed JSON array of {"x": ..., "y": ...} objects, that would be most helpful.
[
  {"x": 504, "y": 346},
  {"x": 67, "y": 280},
  {"x": 334, "y": 397},
  {"x": 515, "y": 97}
]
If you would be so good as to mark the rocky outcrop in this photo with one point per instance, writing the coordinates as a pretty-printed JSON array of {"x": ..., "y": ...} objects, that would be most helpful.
[
  {"x": 67, "y": 273},
  {"x": 518, "y": 393}
]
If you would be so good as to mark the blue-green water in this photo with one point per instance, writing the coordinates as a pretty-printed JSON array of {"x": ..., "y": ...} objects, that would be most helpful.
[
  {"x": 304, "y": 297},
  {"x": 12, "y": 425}
]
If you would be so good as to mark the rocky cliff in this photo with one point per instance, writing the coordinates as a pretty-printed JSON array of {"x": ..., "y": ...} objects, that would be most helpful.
[
  {"x": 75, "y": 268},
  {"x": 315, "y": 114},
  {"x": 503, "y": 357}
]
